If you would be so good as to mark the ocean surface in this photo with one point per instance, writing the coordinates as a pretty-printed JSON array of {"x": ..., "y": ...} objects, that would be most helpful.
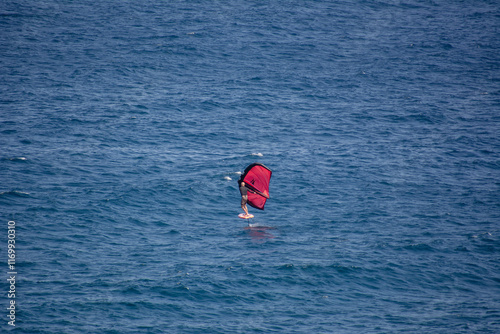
[{"x": 124, "y": 126}]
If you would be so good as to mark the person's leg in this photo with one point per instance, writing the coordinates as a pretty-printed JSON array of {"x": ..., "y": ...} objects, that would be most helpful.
[{"x": 244, "y": 200}]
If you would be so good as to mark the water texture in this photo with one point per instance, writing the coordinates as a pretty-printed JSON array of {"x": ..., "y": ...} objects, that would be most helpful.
[{"x": 124, "y": 126}]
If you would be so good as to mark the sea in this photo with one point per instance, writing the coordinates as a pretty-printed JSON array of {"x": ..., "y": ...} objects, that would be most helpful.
[{"x": 125, "y": 125}]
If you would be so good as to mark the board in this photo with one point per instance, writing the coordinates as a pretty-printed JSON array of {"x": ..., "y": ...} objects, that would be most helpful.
[{"x": 244, "y": 216}]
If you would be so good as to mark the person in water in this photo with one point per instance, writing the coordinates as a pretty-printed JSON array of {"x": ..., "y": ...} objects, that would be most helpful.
[{"x": 244, "y": 197}]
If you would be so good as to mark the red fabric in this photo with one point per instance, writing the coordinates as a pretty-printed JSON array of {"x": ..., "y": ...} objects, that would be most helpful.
[{"x": 257, "y": 178}]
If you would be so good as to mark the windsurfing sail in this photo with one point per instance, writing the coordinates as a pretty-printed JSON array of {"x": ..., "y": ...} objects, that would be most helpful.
[{"x": 257, "y": 177}]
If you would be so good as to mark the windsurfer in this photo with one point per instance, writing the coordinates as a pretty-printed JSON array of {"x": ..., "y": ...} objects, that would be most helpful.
[
  {"x": 244, "y": 197},
  {"x": 254, "y": 187}
]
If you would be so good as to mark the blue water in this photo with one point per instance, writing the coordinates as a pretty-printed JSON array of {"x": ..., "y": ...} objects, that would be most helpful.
[{"x": 124, "y": 125}]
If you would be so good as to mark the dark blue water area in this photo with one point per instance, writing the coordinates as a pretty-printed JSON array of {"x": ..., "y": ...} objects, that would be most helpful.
[{"x": 124, "y": 126}]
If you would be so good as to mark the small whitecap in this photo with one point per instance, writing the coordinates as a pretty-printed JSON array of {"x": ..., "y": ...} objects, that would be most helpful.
[
  {"x": 227, "y": 178},
  {"x": 257, "y": 154}
]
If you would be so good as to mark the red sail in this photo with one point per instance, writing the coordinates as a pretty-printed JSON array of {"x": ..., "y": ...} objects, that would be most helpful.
[{"x": 256, "y": 178}]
